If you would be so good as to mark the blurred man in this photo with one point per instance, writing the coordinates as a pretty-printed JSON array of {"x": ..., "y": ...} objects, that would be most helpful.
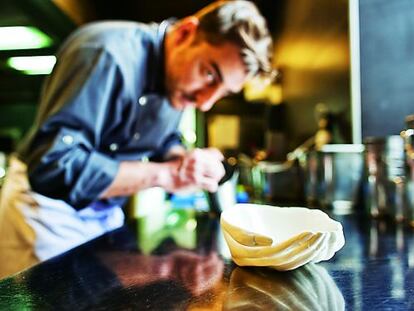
[{"x": 107, "y": 124}]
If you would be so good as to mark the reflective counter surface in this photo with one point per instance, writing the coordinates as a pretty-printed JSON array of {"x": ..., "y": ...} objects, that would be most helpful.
[{"x": 179, "y": 261}]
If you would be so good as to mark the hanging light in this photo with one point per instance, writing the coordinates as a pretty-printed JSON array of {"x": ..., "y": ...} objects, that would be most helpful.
[
  {"x": 23, "y": 37},
  {"x": 32, "y": 65}
]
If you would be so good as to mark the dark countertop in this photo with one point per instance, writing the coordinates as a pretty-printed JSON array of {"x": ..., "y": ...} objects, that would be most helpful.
[{"x": 179, "y": 260}]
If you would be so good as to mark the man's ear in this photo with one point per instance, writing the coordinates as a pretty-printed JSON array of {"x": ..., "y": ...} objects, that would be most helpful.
[{"x": 186, "y": 30}]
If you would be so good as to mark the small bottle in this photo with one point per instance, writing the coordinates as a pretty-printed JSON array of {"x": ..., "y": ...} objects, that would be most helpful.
[
  {"x": 408, "y": 136},
  {"x": 375, "y": 185},
  {"x": 323, "y": 135}
]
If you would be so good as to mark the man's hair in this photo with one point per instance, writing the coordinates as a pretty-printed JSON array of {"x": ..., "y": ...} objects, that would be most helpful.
[{"x": 239, "y": 22}]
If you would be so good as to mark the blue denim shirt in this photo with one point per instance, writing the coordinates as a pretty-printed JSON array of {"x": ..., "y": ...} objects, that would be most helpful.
[{"x": 103, "y": 103}]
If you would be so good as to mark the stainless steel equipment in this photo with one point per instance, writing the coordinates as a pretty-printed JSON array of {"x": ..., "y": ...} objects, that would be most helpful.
[
  {"x": 270, "y": 181},
  {"x": 333, "y": 175},
  {"x": 385, "y": 177}
]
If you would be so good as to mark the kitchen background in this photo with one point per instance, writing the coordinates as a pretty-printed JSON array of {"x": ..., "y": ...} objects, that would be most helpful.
[{"x": 349, "y": 60}]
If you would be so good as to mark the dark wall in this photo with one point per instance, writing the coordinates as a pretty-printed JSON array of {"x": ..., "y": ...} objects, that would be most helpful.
[{"x": 387, "y": 65}]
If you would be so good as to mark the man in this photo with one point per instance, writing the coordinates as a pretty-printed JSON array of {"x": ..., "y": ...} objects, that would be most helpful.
[{"x": 107, "y": 124}]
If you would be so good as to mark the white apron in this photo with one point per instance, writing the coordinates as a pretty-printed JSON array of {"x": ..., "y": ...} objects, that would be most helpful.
[{"x": 34, "y": 228}]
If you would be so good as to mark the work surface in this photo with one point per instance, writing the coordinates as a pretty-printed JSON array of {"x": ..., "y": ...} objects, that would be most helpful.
[{"x": 179, "y": 261}]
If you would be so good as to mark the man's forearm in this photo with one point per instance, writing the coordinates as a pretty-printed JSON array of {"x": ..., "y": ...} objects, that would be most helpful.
[
  {"x": 134, "y": 176},
  {"x": 197, "y": 169}
]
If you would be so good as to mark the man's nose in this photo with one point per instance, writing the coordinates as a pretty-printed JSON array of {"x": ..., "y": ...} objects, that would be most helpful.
[{"x": 207, "y": 98}]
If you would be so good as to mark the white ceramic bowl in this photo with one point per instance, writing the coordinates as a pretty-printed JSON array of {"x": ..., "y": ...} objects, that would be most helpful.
[{"x": 282, "y": 238}]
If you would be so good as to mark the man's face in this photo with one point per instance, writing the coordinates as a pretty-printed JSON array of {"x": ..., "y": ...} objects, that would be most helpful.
[{"x": 199, "y": 74}]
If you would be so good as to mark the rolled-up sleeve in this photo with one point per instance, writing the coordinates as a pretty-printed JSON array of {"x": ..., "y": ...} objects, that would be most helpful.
[
  {"x": 64, "y": 156},
  {"x": 171, "y": 141}
]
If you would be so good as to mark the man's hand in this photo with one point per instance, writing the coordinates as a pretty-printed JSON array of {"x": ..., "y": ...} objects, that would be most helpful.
[{"x": 197, "y": 169}]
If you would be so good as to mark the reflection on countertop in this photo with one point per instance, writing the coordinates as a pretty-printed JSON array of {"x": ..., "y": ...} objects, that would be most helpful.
[
  {"x": 184, "y": 265},
  {"x": 307, "y": 288}
]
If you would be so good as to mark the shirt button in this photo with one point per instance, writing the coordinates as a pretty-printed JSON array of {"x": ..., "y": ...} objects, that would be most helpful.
[
  {"x": 67, "y": 139},
  {"x": 136, "y": 136},
  {"x": 113, "y": 147},
  {"x": 142, "y": 100}
]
